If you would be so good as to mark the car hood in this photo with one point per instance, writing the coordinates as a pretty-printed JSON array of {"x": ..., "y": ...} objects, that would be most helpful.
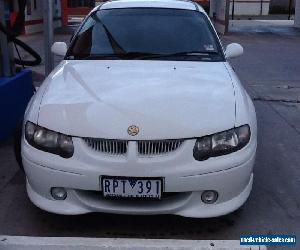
[{"x": 164, "y": 99}]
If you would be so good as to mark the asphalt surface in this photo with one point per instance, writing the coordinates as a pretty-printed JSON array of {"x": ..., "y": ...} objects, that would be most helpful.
[{"x": 270, "y": 70}]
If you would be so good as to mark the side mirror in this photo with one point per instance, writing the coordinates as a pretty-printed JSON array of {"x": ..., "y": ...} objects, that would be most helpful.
[
  {"x": 59, "y": 48},
  {"x": 234, "y": 50}
]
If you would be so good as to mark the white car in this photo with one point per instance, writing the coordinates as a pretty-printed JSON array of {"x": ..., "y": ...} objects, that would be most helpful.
[{"x": 143, "y": 116}]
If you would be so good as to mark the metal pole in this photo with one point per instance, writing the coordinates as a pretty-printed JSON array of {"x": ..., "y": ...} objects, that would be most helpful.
[
  {"x": 48, "y": 34},
  {"x": 227, "y": 6},
  {"x": 4, "y": 48},
  {"x": 232, "y": 10},
  {"x": 297, "y": 14},
  {"x": 290, "y": 10}
]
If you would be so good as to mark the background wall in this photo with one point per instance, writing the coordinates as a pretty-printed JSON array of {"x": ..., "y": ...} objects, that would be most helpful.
[
  {"x": 250, "y": 7},
  {"x": 34, "y": 15}
]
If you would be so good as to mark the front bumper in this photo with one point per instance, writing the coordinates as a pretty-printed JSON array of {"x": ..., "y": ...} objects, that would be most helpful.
[{"x": 231, "y": 176}]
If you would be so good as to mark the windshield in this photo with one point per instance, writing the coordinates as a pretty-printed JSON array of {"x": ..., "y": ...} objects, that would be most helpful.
[{"x": 146, "y": 33}]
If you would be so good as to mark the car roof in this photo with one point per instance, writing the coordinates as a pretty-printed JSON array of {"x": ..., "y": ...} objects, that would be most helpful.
[{"x": 170, "y": 4}]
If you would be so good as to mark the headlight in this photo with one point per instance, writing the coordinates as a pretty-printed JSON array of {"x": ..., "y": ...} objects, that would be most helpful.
[
  {"x": 49, "y": 141},
  {"x": 221, "y": 143}
]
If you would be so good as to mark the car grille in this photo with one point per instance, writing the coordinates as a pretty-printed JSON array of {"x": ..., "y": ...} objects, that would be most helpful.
[
  {"x": 112, "y": 147},
  {"x": 159, "y": 147},
  {"x": 145, "y": 148}
]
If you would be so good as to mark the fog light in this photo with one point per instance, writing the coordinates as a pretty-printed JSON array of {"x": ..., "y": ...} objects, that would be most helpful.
[
  {"x": 59, "y": 193},
  {"x": 209, "y": 196}
]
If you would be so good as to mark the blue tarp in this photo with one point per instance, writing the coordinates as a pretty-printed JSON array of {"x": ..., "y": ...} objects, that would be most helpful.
[{"x": 15, "y": 93}]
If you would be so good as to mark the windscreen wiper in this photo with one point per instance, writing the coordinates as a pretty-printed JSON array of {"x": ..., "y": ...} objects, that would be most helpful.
[
  {"x": 135, "y": 55},
  {"x": 178, "y": 54},
  {"x": 93, "y": 57},
  {"x": 125, "y": 55}
]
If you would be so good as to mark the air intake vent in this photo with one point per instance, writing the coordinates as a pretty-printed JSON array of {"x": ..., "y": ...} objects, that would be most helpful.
[
  {"x": 159, "y": 147},
  {"x": 112, "y": 147}
]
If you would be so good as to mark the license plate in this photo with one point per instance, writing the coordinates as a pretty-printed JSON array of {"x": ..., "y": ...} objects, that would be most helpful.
[{"x": 131, "y": 187}]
